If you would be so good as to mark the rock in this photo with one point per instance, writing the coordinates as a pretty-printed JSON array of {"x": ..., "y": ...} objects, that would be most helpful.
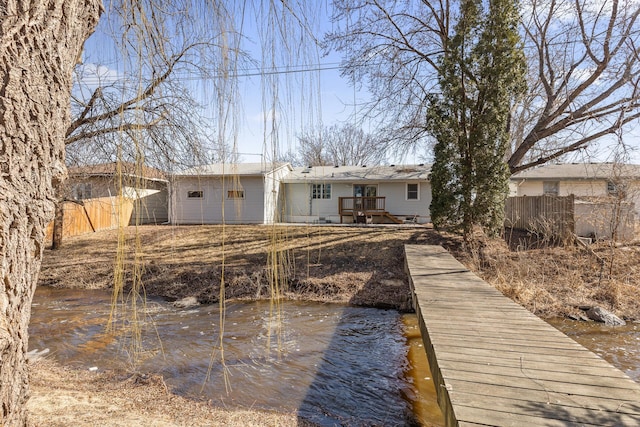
[
  {"x": 186, "y": 302},
  {"x": 599, "y": 314}
]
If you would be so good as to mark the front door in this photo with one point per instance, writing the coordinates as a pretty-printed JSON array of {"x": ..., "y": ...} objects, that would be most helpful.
[{"x": 362, "y": 190}]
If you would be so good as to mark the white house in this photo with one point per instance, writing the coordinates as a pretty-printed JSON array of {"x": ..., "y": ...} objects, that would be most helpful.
[
  {"x": 583, "y": 180},
  {"x": 598, "y": 188},
  {"x": 346, "y": 194},
  {"x": 242, "y": 193},
  {"x": 258, "y": 193}
]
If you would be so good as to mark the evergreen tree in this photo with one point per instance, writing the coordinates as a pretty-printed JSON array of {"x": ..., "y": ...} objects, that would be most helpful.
[{"x": 482, "y": 72}]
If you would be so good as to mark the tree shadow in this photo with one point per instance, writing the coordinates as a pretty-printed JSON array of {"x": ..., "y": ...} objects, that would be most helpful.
[
  {"x": 371, "y": 389},
  {"x": 362, "y": 385}
]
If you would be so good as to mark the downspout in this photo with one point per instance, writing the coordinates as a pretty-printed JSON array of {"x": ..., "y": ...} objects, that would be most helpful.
[{"x": 310, "y": 190}]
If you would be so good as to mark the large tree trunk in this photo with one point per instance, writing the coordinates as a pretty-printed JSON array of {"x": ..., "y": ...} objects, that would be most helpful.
[
  {"x": 58, "y": 226},
  {"x": 40, "y": 42}
]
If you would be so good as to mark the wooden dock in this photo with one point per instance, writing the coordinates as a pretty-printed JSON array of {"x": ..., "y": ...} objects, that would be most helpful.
[{"x": 496, "y": 364}]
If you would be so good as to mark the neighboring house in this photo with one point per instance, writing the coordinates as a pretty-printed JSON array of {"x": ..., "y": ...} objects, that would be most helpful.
[
  {"x": 583, "y": 180},
  {"x": 347, "y": 194},
  {"x": 607, "y": 194},
  {"x": 242, "y": 193},
  {"x": 146, "y": 187}
]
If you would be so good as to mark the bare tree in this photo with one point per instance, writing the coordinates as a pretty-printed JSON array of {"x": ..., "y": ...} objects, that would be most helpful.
[
  {"x": 582, "y": 68},
  {"x": 40, "y": 44},
  {"x": 313, "y": 150},
  {"x": 583, "y": 75},
  {"x": 341, "y": 145},
  {"x": 146, "y": 108},
  {"x": 143, "y": 111}
]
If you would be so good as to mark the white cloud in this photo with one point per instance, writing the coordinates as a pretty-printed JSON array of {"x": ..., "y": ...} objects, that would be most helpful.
[{"x": 94, "y": 75}]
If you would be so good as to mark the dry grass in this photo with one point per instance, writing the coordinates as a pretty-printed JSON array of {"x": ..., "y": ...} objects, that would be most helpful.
[
  {"x": 554, "y": 281},
  {"x": 64, "y": 397},
  {"x": 358, "y": 265},
  {"x": 362, "y": 266}
]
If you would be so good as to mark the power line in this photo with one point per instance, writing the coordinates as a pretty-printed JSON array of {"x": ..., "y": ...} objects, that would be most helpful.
[{"x": 248, "y": 72}]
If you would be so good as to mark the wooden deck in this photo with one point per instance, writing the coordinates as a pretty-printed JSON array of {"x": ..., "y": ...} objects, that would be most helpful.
[
  {"x": 496, "y": 364},
  {"x": 363, "y": 209}
]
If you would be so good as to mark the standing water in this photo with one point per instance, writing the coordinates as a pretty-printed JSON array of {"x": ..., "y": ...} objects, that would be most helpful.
[
  {"x": 618, "y": 345},
  {"x": 332, "y": 364}
]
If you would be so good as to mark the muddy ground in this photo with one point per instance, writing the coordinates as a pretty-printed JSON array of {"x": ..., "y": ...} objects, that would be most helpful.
[{"x": 358, "y": 265}]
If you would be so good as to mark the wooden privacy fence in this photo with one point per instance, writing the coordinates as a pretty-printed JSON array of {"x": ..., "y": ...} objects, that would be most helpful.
[
  {"x": 93, "y": 215},
  {"x": 550, "y": 215}
]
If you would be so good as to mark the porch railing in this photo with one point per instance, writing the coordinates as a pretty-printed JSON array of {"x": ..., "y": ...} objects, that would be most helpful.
[{"x": 360, "y": 206}]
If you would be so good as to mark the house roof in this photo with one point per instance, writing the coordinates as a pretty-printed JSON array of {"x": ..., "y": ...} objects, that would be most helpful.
[
  {"x": 240, "y": 169},
  {"x": 110, "y": 169},
  {"x": 359, "y": 173},
  {"x": 581, "y": 171}
]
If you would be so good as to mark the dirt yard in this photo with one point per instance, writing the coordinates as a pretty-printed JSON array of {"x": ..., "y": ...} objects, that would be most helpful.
[
  {"x": 362, "y": 266},
  {"x": 357, "y": 265},
  {"x": 62, "y": 397}
]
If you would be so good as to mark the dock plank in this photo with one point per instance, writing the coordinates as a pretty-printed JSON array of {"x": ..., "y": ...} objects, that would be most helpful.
[
  {"x": 605, "y": 404},
  {"x": 496, "y": 364}
]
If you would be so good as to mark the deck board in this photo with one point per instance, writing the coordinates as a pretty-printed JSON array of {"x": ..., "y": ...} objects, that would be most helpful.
[{"x": 496, "y": 364}]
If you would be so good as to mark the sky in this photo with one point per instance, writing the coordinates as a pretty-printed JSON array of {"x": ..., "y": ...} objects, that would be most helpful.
[
  {"x": 307, "y": 99},
  {"x": 310, "y": 90}
]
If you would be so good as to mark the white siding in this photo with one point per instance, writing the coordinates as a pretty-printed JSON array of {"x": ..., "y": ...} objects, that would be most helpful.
[
  {"x": 599, "y": 220},
  {"x": 583, "y": 188},
  {"x": 396, "y": 202},
  {"x": 296, "y": 201},
  {"x": 272, "y": 190},
  {"x": 633, "y": 195},
  {"x": 300, "y": 207},
  {"x": 209, "y": 209},
  {"x": 579, "y": 188},
  {"x": 152, "y": 206},
  {"x": 529, "y": 188}
]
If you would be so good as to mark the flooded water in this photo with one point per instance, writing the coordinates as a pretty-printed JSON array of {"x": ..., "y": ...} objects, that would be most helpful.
[
  {"x": 331, "y": 364},
  {"x": 425, "y": 404},
  {"x": 619, "y": 345}
]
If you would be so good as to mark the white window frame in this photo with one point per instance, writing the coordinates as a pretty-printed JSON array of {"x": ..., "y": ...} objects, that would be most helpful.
[
  {"x": 321, "y": 191},
  {"x": 406, "y": 193}
]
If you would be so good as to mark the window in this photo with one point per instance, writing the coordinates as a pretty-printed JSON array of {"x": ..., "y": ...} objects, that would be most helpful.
[
  {"x": 413, "y": 191},
  {"x": 81, "y": 191},
  {"x": 321, "y": 191},
  {"x": 550, "y": 188},
  {"x": 235, "y": 194},
  {"x": 615, "y": 189},
  {"x": 198, "y": 194}
]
